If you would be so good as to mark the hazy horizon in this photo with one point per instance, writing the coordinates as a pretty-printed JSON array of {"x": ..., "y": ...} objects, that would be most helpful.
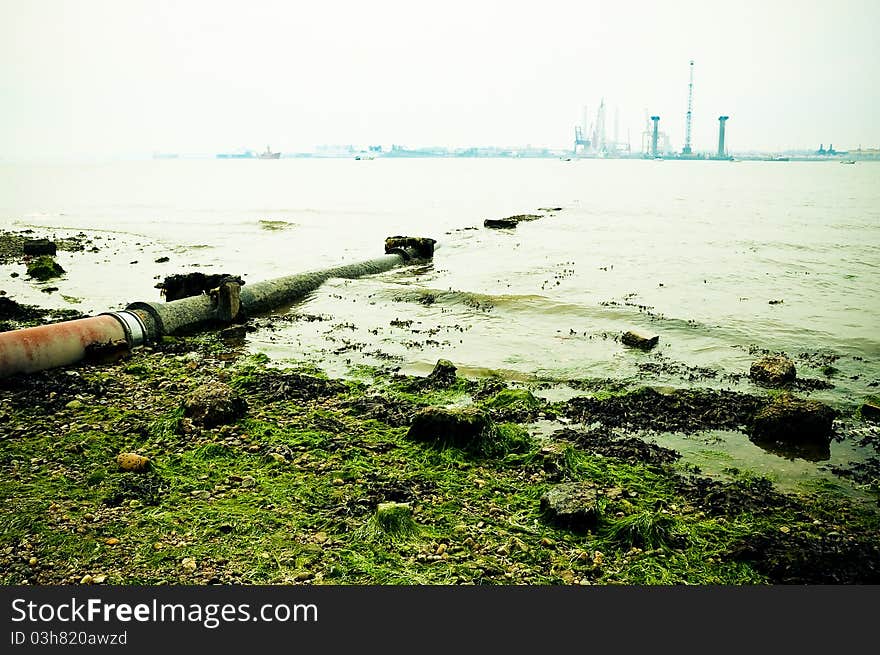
[{"x": 98, "y": 78}]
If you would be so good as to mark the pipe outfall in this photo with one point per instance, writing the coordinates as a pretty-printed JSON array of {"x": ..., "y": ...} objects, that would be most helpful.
[{"x": 60, "y": 344}]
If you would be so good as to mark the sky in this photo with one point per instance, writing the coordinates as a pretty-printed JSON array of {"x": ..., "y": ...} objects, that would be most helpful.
[{"x": 128, "y": 77}]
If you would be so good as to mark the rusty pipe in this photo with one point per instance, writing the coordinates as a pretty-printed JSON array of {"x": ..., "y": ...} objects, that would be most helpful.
[{"x": 59, "y": 344}]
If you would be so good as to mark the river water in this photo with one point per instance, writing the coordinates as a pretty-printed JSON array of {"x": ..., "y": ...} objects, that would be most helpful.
[{"x": 694, "y": 251}]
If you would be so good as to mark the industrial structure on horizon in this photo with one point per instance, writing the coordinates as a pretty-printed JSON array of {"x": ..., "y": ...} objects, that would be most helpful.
[
  {"x": 655, "y": 144},
  {"x": 591, "y": 140}
]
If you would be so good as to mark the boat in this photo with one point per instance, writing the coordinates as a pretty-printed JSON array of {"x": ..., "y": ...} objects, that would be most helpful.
[
  {"x": 269, "y": 154},
  {"x": 847, "y": 161},
  {"x": 778, "y": 158}
]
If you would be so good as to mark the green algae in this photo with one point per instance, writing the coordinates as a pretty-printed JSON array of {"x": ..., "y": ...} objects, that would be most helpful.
[
  {"x": 44, "y": 268},
  {"x": 289, "y": 494}
]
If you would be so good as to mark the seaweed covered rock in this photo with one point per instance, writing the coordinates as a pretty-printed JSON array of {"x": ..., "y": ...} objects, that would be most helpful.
[
  {"x": 572, "y": 505},
  {"x": 790, "y": 419},
  {"x": 516, "y": 405},
  {"x": 773, "y": 371},
  {"x": 214, "y": 403},
  {"x": 44, "y": 268},
  {"x": 870, "y": 409},
  {"x": 11, "y": 309},
  {"x": 500, "y": 223},
  {"x": 468, "y": 428},
  {"x": 443, "y": 373}
]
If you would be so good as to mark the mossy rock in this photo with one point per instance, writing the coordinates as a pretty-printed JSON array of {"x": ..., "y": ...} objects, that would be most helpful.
[
  {"x": 870, "y": 409},
  {"x": 214, "y": 403},
  {"x": 44, "y": 268},
  {"x": 468, "y": 428},
  {"x": 773, "y": 371},
  {"x": 443, "y": 373},
  {"x": 790, "y": 419},
  {"x": 513, "y": 398},
  {"x": 572, "y": 505}
]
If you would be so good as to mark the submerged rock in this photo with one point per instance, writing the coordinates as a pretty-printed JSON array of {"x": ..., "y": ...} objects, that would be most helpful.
[
  {"x": 639, "y": 340},
  {"x": 500, "y": 223},
  {"x": 214, "y": 403},
  {"x": 790, "y": 419},
  {"x": 468, "y": 427},
  {"x": 773, "y": 370},
  {"x": 572, "y": 505}
]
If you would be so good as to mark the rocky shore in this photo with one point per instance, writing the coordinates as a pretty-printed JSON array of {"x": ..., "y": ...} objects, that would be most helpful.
[{"x": 193, "y": 463}]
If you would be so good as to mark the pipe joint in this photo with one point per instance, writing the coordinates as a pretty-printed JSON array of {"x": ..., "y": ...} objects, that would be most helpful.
[{"x": 132, "y": 325}]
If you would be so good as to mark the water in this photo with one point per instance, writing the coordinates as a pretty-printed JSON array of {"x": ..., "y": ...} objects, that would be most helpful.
[{"x": 693, "y": 251}]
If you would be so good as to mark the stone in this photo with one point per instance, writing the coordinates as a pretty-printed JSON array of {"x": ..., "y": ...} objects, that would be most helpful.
[
  {"x": 871, "y": 410},
  {"x": 572, "y": 505},
  {"x": 39, "y": 247},
  {"x": 44, "y": 268},
  {"x": 461, "y": 427},
  {"x": 443, "y": 373},
  {"x": 790, "y": 419},
  {"x": 234, "y": 333},
  {"x": 188, "y": 564},
  {"x": 132, "y": 461},
  {"x": 213, "y": 404},
  {"x": 639, "y": 340},
  {"x": 773, "y": 371},
  {"x": 74, "y": 404},
  {"x": 500, "y": 223},
  {"x": 514, "y": 399},
  {"x": 553, "y": 458},
  {"x": 421, "y": 247},
  {"x": 184, "y": 285}
]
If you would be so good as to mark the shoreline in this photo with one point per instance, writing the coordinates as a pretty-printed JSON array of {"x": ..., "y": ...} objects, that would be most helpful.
[{"x": 110, "y": 476}]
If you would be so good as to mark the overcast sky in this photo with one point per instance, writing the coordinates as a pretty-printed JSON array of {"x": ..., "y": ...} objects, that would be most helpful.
[{"x": 122, "y": 77}]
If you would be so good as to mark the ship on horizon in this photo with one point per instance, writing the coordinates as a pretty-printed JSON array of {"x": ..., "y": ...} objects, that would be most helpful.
[{"x": 268, "y": 154}]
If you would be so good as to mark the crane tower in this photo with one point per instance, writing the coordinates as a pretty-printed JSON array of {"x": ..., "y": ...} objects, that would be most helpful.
[{"x": 687, "y": 139}]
